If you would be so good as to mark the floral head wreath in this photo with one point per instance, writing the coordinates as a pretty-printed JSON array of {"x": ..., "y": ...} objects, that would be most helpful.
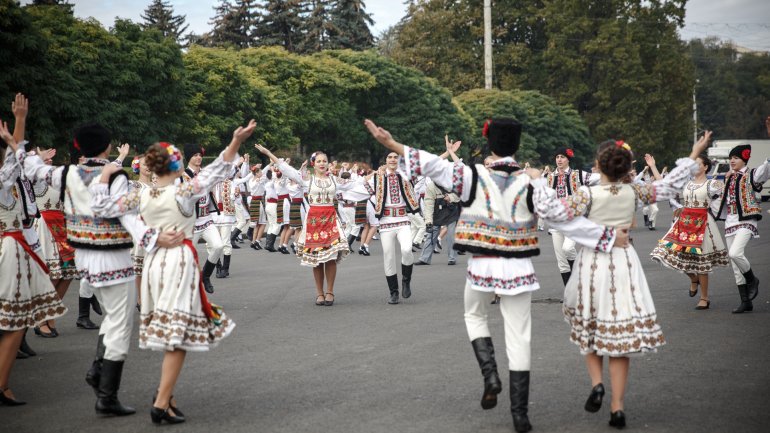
[
  {"x": 135, "y": 166},
  {"x": 312, "y": 159},
  {"x": 174, "y": 156},
  {"x": 485, "y": 129}
]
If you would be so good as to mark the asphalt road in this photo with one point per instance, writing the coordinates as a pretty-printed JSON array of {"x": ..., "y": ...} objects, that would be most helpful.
[{"x": 366, "y": 366}]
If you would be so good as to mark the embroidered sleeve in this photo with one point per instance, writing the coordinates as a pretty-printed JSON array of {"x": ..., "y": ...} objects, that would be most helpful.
[
  {"x": 555, "y": 210},
  {"x": 10, "y": 171},
  {"x": 669, "y": 186},
  {"x": 587, "y": 233},
  {"x": 761, "y": 174},
  {"x": 114, "y": 202},
  {"x": 197, "y": 187},
  {"x": 291, "y": 172},
  {"x": 36, "y": 170},
  {"x": 452, "y": 176},
  {"x": 355, "y": 190},
  {"x": 369, "y": 187}
]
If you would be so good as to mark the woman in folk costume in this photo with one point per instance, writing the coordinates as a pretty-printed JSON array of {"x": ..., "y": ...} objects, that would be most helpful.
[
  {"x": 257, "y": 215},
  {"x": 139, "y": 167},
  {"x": 321, "y": 243},
  {"x": 176, "y": 315},
  {"x": 497, "y": 225},
  {"x": 611, "y": 311},
  {"x": 693, "y": 244},
  {"x": 27, "y": 297}
]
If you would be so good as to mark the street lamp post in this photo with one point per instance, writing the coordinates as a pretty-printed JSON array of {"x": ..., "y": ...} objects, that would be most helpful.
[{"x": 487, "y": 44}]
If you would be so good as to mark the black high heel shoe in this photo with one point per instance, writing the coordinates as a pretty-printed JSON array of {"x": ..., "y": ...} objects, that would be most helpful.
[
  {"x": 158, "y": 415},
  {"x": 170, "y": 405},
  {"x": 618, "y": 419},
  {"x": 8, "y": 401},
  {"x": 594, "y": 402}
]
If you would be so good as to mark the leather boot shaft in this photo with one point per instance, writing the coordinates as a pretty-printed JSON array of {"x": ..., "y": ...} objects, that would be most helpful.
[
  {"x": 519, "y": 384},
  {"x": 393, "y": 288}
]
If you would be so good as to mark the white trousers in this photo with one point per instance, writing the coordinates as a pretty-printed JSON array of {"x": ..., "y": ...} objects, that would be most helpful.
[
  {"x": 241, "y": 218},
  {"x": 349, "y": 216},
  {"x": 402, "y": 235},
  {"x": 651, "y": 210},
  {"x": 517, "y": 321},
  {"x": 736, "y": 249},
  {"x": 214, "y": 244},
  {"x": 118, "y": 303},
  {"x": 564, "y": 248},
  {"x": 418, "y": 228},
  {"x": 224, "y": 234},
  {"x": 271, "y": 210}
]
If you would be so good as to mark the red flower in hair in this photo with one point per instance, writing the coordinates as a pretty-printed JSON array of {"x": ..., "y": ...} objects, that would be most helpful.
[
  {"x": 746, "y": 154},
  {"x": 619, "y": 143},
  {"x": 485, "y": 129},
  {"x": 570, "y": 153}
]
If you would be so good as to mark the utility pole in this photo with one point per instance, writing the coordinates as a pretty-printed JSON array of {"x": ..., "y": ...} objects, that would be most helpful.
[
  {"x": 694, "y": 115},
  {"x": 487, "y": 44}
]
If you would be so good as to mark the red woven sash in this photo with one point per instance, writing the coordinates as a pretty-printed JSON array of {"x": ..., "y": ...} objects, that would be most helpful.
[
  {"x": 19, "y": 237},
  {"x": 207, "y": 310}
]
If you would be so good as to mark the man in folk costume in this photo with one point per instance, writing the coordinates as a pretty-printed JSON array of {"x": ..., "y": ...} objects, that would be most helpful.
[
  {"x": 241, "y": 190},
  {"x": 565, "y": 181},
  {"x": 102, "y": 255},
  {"x": 394, "y": 200},
  {"x": 204, "y": 224},
  {"x": 498, "y": 226},
  {"x": 417, "y": 219},
  {"x": 224, "y": 220},
  {"x": 740, "y": 211}
]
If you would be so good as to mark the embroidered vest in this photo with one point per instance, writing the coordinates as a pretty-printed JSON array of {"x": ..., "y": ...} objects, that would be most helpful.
[
  {"x": 381, "y": 192},
  {"x": 746, "y": 201},
  {"x": 84, "y": 230},
  {"x": 574, "y": 180},
  {"x": 497, "y": 223},
  {"x": 207, "y": 204}
]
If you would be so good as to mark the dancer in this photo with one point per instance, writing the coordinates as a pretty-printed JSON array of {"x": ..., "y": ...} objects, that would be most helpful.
[
  {"x": 740, "y": 209},
  {"x": 394, "y": 200},
  {"x": 257, "y": 215},
  {"x": 27, "y": 297},
  {"x": 565, "y": 181},
  {"x": 241, "y": 190},
  {"x": 321, "y": 243},
  {"x": 498, "y": 226},
  {"x": 204, "y": 223},
  {"x": 176, "y": 315},
  {"x": 694, "y": 245},
  {"x": 225, "y": 197},
  {"x": 608, "y": 303}
]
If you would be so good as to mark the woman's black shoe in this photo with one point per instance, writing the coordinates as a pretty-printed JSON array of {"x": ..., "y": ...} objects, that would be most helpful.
[
  {"x": 159, "y": 415},
  {"x": 7, "y": 401},
  {"x": 618, "y": 419},
  {"x": 173, "y": 408},
  {"x": 594, "y": 402}
]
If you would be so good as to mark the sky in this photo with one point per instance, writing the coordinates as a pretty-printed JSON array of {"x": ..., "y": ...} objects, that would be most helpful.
[{"x": 746, "y": 22}]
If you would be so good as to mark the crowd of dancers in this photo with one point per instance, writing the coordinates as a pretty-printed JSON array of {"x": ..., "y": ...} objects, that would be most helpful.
[{"x": 131, "y": 243}]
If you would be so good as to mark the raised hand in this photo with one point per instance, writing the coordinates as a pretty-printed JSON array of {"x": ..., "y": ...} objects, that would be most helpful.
[
  {"x": 649, "y": 159},
  {"x": 532, "y": 172},
  {"x": 123, "y": 151},
  {"x": 46, "y": 154},
  {"x": 7, "y": 136},
  {"x": 262, "y": 149},
  {"x": 20, "y": 106},
  {"x": 242, "y": 133},
  {"x": 380, "y": 134},
  {"x": 701, "y": 145}
]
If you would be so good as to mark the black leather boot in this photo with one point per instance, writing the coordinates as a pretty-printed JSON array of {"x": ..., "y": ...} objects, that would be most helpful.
[
  {"x": 351, "y": 239},
  {"x": 646, "y": 221},
  {"x": 746, "y": 304},
  {"x": 393, "y": 287},
  {"x": 571, "y": 264},
  {"x": 520, "y": 400},
  {"x": 84, "y": 310},
  {"x": 225, "y": 266},
  {"x": 270, "y": 243},
  {"x": 234, "y": 238},
  {"x": 208, "y": 269},
  {"x": 107, "y": 402},
  {"x": 250, "y": 233},
  {"x": 95, "y": 305},
  {"x": 752, "y": 285},
  {"x": 565, "y": 277},
  {"x": 406, "y": 279},
  {"x": 485, "y": 355},
  {"x": 94, "y": 374}
]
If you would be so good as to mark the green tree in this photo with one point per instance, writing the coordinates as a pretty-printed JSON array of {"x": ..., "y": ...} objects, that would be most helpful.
[
  {"x": 317, "y": 27},
  {"x": 351, "y": 26},
  {"x": 546, "y": 125},
  {"x": 281, "y": 23},
  {"x": 160, "y": 15},
  {"x": 234, "y": 25}
]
